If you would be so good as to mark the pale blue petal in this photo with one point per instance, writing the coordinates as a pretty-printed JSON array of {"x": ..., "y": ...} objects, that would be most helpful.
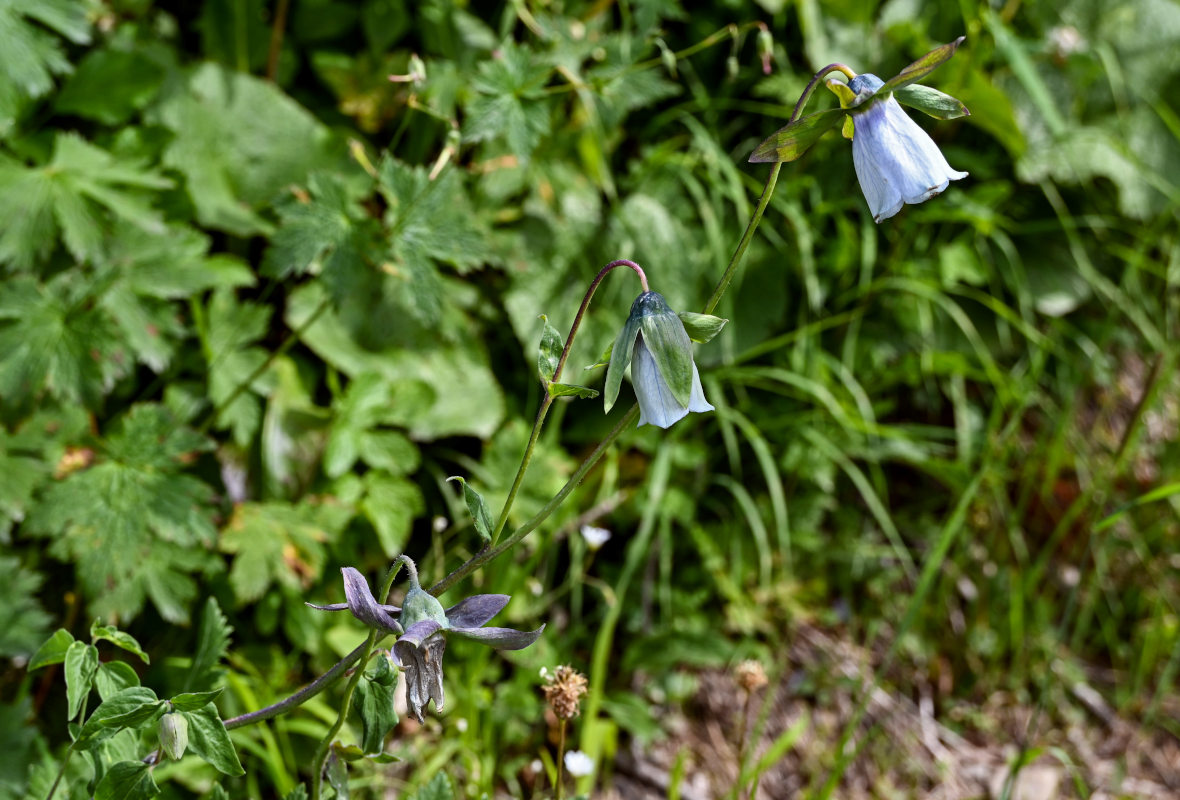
[{"x": 657, "y": 406}]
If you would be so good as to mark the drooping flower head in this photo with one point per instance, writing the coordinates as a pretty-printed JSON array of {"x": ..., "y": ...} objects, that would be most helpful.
[
  {"x": 896, "y": 161},
  {"x": 422, "y": 625},
  {"x": 655, "y": 344}
]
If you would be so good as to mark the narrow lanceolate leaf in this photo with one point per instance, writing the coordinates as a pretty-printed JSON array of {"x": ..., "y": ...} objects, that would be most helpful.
[
  {"x": 793, "y": 140},
  {"x": 550, "y": 353},
  {"x": 931, "y": 101},
  {"x": 701, "y": 327},
  {"x": 571, "y": 390},
  {"x": 922, "y": 67},
  {"x": 478, "y": 509}
]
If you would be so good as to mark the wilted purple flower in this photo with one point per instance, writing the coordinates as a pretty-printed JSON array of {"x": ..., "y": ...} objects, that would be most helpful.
[{"x": 421, "y": 627}]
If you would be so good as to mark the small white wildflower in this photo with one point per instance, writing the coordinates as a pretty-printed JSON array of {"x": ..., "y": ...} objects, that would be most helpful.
[
  {"x": 461, "y": 724},
  {"x": 1065, "y": 40},
  {"x": 439, "y": 524},
  {"x": 595, "y": 537},
  {"x": 578, "y": 764}
]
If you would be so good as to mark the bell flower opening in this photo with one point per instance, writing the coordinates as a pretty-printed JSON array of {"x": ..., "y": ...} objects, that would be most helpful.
[{"x": 896, "y": 161}]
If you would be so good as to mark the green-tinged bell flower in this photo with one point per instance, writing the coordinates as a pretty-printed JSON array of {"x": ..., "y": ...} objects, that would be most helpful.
[
  {"x": 655, "y": 345},
  {"x": 421, "y": 626},
  {"x": 896, "y": 161}
]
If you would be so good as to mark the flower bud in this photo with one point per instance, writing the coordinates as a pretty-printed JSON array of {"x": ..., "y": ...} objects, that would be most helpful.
[
  {"x": 173, "y": 732},
  {"x": 765, "y": 49}
]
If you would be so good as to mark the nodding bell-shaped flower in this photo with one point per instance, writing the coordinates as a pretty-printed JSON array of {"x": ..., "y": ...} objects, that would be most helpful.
[
  {"x": 657, "y": 348},
  {"x": 422, "y": 625},
  {"x": 896, "y": 161}
]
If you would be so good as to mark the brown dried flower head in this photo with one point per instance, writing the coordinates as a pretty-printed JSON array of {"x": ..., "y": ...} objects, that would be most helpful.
[
  {"x": 563, "y": 690},
  {"x": 750, "y": 675}
]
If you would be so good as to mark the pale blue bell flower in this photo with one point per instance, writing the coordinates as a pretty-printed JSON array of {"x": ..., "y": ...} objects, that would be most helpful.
[
  {"x": 657, "y": 406},
  {"x": 896, "y": 161}
]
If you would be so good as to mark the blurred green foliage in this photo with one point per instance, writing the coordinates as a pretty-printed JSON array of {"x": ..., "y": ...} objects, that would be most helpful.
[{"x": 259, "y": 302}]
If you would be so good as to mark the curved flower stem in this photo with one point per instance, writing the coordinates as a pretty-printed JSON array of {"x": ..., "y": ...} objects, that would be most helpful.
[
  {"x": 321, "y": 754},
  {"x": 768, "y": 189},
  {"x": 548, "y": 399}
]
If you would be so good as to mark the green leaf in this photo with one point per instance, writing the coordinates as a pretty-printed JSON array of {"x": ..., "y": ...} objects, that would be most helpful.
[
  {"x": 793, "y": 140},
  {"x": 931, "y": 101},
  {"x": 233, "y": 359},
  {"x": 701, "y": 327},
  {"x": 53, "y": 651},
  {"x": 209, "y": 739},
  {"x": 110, "y": 85},
  {"x": 921, "y": 68},
  {"x": 298, "y": 793},
  {"x": 110, "y": 633},
  {"x": 94, "y": 730},
  {"x": 550, "y": 351},
  {"x": 113, "y": 677},
  {"x": 477, "y": 508},
  {"x": 53, "y": 340},
  {"x": 225, "y": 144},
  {"x": 278, "y": 542},
  {"x": 30, "y": 53},
  {"x": 81, "y": 665},
  {"x": 390, "y": 451},
  {"x": 571, "y": 390},
  {"x": 72, "y": 195},
  {"x": 135, "y": 717},
  {"x": 213, "y": 638},
  {"x": 134, "y": 524},
  {"x": 127, "y": 780},
  {"x": 324, "y": 230},
  {"x": 337, "y": 775},
  {"x": 192, "y": 701},
  {"x": 376, "y": 690},
  {"x": 603, "y": 360},
  {"x": 509, "y": 102},
  {"x": 27, "y": 620},
  {"x": 439, "y": 788},
  {"x": 391, "y": 504}
]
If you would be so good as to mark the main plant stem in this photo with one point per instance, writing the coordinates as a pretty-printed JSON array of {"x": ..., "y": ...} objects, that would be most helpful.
[{"x": 548, "y": 399}]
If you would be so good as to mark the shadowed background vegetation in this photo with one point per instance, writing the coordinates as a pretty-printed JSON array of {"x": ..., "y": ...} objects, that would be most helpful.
[{"x": 259, "y": 301}]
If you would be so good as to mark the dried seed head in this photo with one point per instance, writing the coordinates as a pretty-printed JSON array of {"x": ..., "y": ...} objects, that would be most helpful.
[
  {"x": 750, "y": 675},
  {"x": 563, "y": 691}
]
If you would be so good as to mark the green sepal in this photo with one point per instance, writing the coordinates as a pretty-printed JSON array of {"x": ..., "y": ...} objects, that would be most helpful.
[
  {"x": 931, "y": 101},
  {"x": 791, "y": 141},
  {"x": 550, "y": 351},
  {"x": 921, "y": 68},
  {"x": 846, "y": 96},
  {"x": 127, "y": 780},
  {"x": 848, "y": 130},
  {"x": 477, "y": 508},
  {"x": 53, "y": 651},
  {"x": 571, "y": 390},
  {"x": 665, "y": 338},
  {"x": 191, "y": 701},
  {"x": 701, "y": 327},
  {"x": 375, "y": 691},
  {"x": 208, "y": 738},
  {"x": 620, "y": 359},
  {"x": 81, "y": 666},
  {"x": 603, "y": 360},
  {"x": 419, "y": 605},
  {"x": 118, "y": 638}
]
